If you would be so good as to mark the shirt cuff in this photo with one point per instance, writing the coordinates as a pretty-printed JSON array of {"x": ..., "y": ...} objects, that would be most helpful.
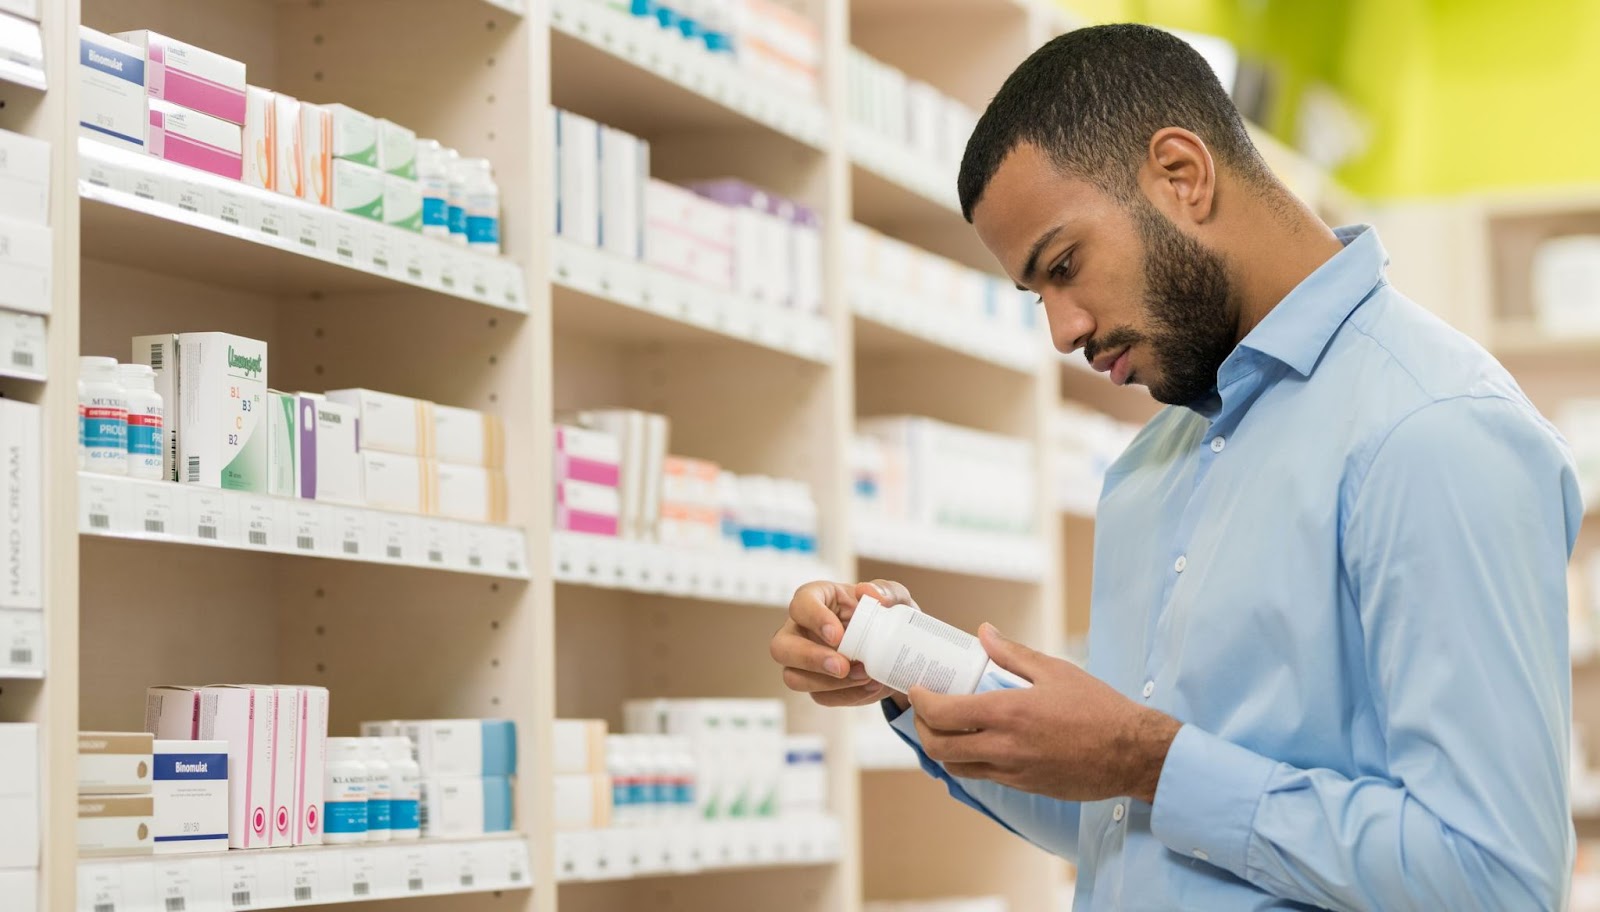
[{"x": 1206, "y": 799}]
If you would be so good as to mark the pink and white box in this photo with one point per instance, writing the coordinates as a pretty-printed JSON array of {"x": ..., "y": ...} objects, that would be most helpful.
[
  {"x": 309, "y": 764},
  {"x": 243, "y": 716},
  {"x": 190, "y": 76},
  {"x": 588, "y": 508},
  {"x": 187, "y": 137},
  {"x": 589, "y": 456}
]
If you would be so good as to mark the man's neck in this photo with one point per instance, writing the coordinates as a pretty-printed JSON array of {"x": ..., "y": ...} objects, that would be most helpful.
[{"x": 1288, "y": 244}]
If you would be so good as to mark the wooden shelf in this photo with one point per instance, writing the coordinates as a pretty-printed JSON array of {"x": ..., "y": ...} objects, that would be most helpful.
[
  {"x": 613, "y": 563},
  {"x": 889, "y": 323},
  {"x": 981, "y": 554},
  {"x": 626, "y": 853}
]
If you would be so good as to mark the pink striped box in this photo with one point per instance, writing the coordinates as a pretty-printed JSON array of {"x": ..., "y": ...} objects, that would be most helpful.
[
  {"x": 589, "y": 456},
  {"x": 588, "y": 508},
  {"x": 191, "y": 76},
  {"x": 187, "y": 137}
]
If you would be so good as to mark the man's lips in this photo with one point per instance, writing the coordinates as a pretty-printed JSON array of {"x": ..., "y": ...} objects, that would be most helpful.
[{"x": 1117, "y": 363}]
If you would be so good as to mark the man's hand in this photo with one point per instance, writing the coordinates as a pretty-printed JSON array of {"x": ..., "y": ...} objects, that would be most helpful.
[
  {"x": 1069, "y": 736},
  {"x": 807, "y": 644}
]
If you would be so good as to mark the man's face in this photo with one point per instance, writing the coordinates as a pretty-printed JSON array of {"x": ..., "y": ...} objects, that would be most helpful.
[{"x": 1147, "y": 303}]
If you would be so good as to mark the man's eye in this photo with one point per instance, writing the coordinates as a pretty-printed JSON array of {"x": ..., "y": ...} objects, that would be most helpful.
[{"x": 1060, "y": 270}]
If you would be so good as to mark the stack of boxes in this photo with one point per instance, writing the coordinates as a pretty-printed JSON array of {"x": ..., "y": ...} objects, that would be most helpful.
[
  {"x": 21, "y": 531},
  {"x": 25, "y": 252},
  {"x": 1084, "y": 444},
  {"x": 273, "y": 739},
  {"x": 737, "y": 746},
  {"x": 913, "y": 115},
  {"x": 726, "y": 235},
  {"x": 148, "y": 92},
  {"x": 583, "y": 798},
  {"x": 20, "y": 808},
  {"x": 350, "y": 446},
  {"x": 468, "y": 767},
  {"x": 928, "y": 473},
  {"x": 768, "y": 40},
  {"x": 139, "y": 794}
]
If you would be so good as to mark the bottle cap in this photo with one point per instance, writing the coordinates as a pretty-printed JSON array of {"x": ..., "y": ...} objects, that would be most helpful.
[{"x": 868, "y": 610}]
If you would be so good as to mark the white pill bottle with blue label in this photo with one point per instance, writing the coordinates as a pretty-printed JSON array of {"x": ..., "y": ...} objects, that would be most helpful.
[
  {"x": 903, "y": 648},
  {"x": 344, "y": 802}
]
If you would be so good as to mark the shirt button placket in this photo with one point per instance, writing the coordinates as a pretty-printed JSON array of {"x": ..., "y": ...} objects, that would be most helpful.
[
  {"x": 1217, "y": 443},
  {"x": 1118, "y": 812}
]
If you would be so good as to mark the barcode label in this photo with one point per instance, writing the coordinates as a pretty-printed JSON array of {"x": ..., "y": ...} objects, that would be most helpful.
[
  {"x": 302, "y": 893},
  {"x": 394, "y": 552},
  {"x": 474, "y": 561},
  {"x": 209, "y": 533},
  {"x": 352, "y": 547},
  {"x": 360, "y": 888},
  {"x": 21, "y": 359},
  {"x": 99, "y": 521},
  {"x": 155, "y": 527},
  {"x": 305, "y": 543},
  {"x": 157, "y": 354},
  {"x": 22, "y": 656},
  {"x": 228, "y": 216},
  {"x": 516, "y": 875},
  {"x": 414, "y": 885},
  {"x": 414, "y": 272},
  {"x": 105, "y": 907},
  {"x": 176, "y": 904},
  {"x": 467, "y": 879},
  {"x": 258, "y": 537},
  {"x": 270, "y": 229},
  {"x": 307, "y": 241},
  {"x": 194, "y": 469},
  {"x": 346, "y": 252},
  {"x": 187, "y": 204},
  {"x": 447, "y": 279},
  {"x": 435, "y": 556},
  {"x": 241, "y": 898}
]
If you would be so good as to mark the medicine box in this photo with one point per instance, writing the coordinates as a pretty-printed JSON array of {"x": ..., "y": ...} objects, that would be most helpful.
[
  {"x": 355, "y": 135},
  {"x": 467, "y": 437},
  {"x": 25, "y": 258},
  {"x": 283, "y": 434},
  {"x": 391, "y": 423},
  {"x": 111, "y": 90},
  {"x": 309, "y": 765},
  {"x": 24, "y": 178},
  {"x": 28, "y": 9},
  {"x": 579, "y": 745},
  {"x": 329, "y": 466},
  {"x": 19, "y": 795},
  {"x": 624, "y": 168},
  {"x": 260, "y": 138},
  {"x": 589, "y": 456},
  {"x": 116, "y": 825},
  {"x": 222, "y": 382},
  {"x": 316, "y": 154},
  {"x": 465, "y": 806},
  {"x": 177, "y": 134},
  {"x": 112, "y": 763},
  {"x": 241, "y": 716},
  {"x": 288, "y": 150},
  {"x": 21, "y": 523},
  {"x": 391, "y": 481},
  {"x": 191, "y": 76},
  {"x": 397, "y": 150},
  {"x": 452, "y": 748},
  {"x": 19, "y": 890},
  {"x": 588, "y": 508},
  {"x": 582, "y": 801},
  {"x": 160, "y": 352},
  {"x": 470, "y": 493},
  {"x": 285, "y": 758},
  {"x": 577, "y": 178},
  {"x": 402, "y": 203},
  {"x": 358, "y": 189},
  {"x": 191, "y": 797}
]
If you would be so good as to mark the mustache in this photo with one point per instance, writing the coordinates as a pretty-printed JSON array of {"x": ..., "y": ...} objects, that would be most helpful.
[{"x": 1121, "y": 337}]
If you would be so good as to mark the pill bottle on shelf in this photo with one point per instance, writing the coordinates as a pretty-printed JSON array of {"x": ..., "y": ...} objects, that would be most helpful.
[
  {"x": 380, "y": 789},
  {"x": 344, "y": 811},
  {"x": 103, "y": 411},
  {"x": 903, "y": 648},
  {"x": 146, "y": 431},
  {"x": 405, "y": 795}
]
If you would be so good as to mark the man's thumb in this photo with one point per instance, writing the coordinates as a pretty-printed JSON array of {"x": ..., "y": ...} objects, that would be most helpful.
[{"x": 1009, "y": 654}]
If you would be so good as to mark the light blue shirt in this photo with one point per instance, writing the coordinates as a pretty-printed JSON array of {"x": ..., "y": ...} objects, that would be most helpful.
[{"x": 1345, "y": 573}]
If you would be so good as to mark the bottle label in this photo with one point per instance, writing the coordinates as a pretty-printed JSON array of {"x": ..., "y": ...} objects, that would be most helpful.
[
  {"x": 639, "y": 793},
  {"x": 684, "y": 794},
  {"x": 482, "y": 229},
  {"x": 144, "y": 434},
  {"x": 345, "y": 816},
  {"x": 620, "y": 792},
  {"x": 379, "y": 814},
  {"x": 436, "y": 211},
  {"x": 404, "y": 814},
  {"x": 105, "y": 428},
  {"x": 662, "y": 792},
  {"x": 458, "y": 220}
]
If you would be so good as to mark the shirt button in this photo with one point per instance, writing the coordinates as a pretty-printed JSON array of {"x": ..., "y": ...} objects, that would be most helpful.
[
  {"x": 1149, "y": 688},
  {"x": 1201, "y": 855},
  {"x": 1180, "y": 563},
  {"x": 1118, "y": 812},
  {"x": 1217, "y": 443}
]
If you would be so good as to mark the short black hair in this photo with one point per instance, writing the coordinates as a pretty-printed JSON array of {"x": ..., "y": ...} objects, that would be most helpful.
[{"x": 1092, "y": 98}]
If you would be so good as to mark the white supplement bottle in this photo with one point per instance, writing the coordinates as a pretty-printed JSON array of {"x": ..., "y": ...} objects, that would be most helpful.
[
  {"x": 104, "y": 408},
  {"x": 626, "y": 781},
  {"x": 481, "y": 201},
  {"x": 903, "y": 648},
  {"x": 146, "y": 431},
  {"x": 458, "y": 197},
  {"x": 433, "y": 173},
  {"x": 405, "y": 794},
  {"x": 344, "y": 810},
  {"x": 380, "y": 789}
]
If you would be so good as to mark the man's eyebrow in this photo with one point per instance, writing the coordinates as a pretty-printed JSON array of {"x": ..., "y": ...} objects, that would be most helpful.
[{"x": 1032, "y": 265}]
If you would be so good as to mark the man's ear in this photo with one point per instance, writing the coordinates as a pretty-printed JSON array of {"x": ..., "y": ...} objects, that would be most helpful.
[{"x": 1179, "y": 177}]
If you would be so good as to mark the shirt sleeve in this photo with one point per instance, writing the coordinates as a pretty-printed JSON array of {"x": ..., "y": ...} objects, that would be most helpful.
[
  {"x": 1455, "y": 550},
  {"x": 1049, "y": 823}
]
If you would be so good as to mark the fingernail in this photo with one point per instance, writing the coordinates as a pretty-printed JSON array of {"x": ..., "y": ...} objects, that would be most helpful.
[
  {"x": 835, "y": 666},
  {"x": 882, "y": 592},
  {"x": 832, "y": 634},
  {"x": 858, "y": 674}
]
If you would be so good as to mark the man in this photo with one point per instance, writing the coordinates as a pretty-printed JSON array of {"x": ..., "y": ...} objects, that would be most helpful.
[{"x": 1328, "y": 660}]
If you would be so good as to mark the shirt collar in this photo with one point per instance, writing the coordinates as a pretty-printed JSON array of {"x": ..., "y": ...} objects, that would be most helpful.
[{"x": 1299, "y": 328}]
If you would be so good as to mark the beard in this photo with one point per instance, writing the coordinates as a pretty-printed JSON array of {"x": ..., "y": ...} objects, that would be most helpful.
[{"x": 1187, "y": 302}]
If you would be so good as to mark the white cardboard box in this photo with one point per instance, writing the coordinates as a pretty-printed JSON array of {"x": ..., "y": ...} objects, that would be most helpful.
[
  {"x": 288, "y": 151},
  {"x": 285, "y": 768},
  {"x": 23, "y": 348},
  {"x": 467, "y": 437},
  {"x": 19, "y": 795},
  {"x": 116, "y": 824},
  {"x": 188, "y": 75},
  {"x": 260, "y": 138},
  {"x": 579, "y": 746},
  {"x": 578, "y": 178},
  {"x": 24, "y": 178},
  {"x": 222, "y": 439},
  {"x": 25, "y": 257},
  {"x": 21, "y": 642},
  {"x": 582, "y": 801},
  {"x": 470, "y": 493},
  {"x": 394, "y": 482},
  {"x": 160, "y": 352},
  {"x": 19, "y": 890},
  {"x": 112, "y": 106},
  {"x": 329, "y": 466},
  {"x": 313, "y": 746},
  {"x": 191, "y": 796},
  {"x": 283, "y": 436},
  {"x": 390, "y": 423},
  {"x": 111, "y": 763},
  {"x": 241, "y": 716},
  {"x": 21, "y": 525}
]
